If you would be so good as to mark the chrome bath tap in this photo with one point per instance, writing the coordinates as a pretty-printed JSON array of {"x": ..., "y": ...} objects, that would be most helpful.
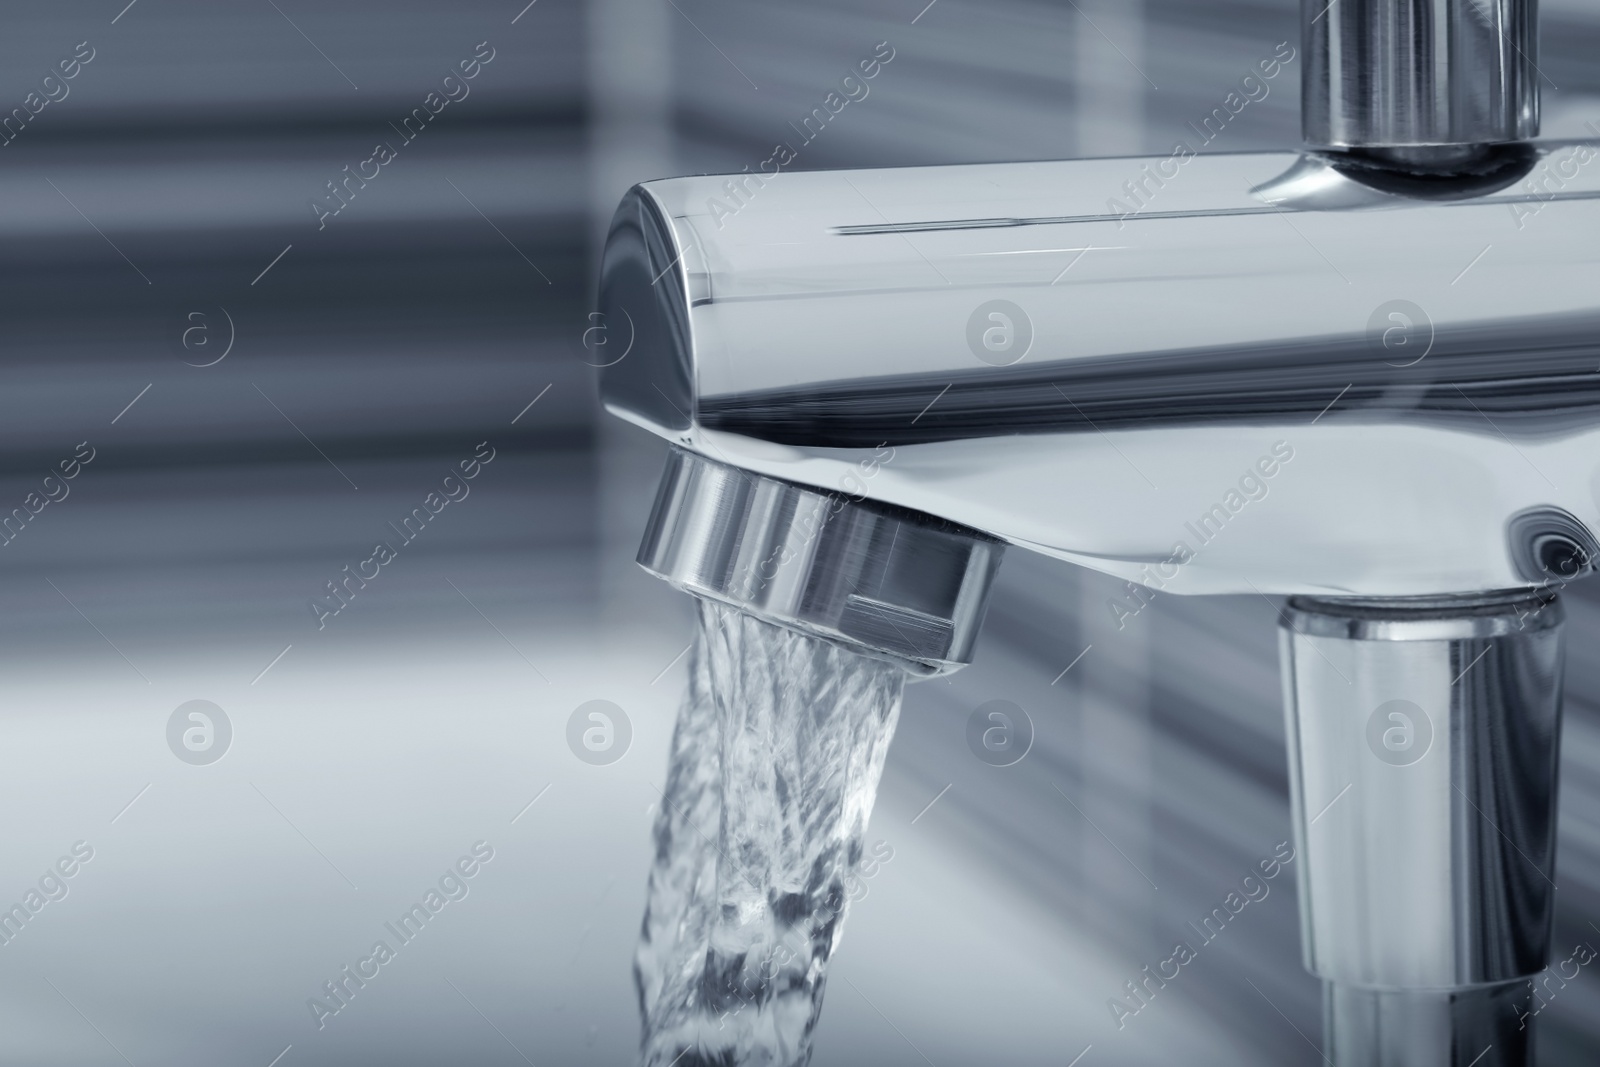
[{"x": 1364, "y": 376}]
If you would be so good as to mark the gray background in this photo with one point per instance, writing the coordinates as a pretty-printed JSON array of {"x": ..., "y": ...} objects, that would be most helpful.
[{"x": 376, "y": 353}]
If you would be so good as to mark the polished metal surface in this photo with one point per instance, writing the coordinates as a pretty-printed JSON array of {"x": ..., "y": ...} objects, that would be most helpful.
[
  {"x": 1363, "y": 375},
  {"x": 1474, "y": 1027},
  {"x": 1398, "y": 73},
  {"x": 1102, "y": 359},
  {"x": 1448, "y": 618},
  {"x": 1423, "y": 742},
  {"x": 890, "y": 582}
]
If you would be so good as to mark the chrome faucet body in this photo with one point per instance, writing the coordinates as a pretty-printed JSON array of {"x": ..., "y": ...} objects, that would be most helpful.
[
  {"x": 1365, "y": 376},
  {"x": 1412, "y": 379}
]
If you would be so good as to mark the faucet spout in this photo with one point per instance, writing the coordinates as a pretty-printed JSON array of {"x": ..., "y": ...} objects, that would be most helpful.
[{"x": 889, "y": 582}]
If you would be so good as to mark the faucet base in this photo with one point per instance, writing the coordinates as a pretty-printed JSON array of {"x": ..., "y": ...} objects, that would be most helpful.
[
  {"x": 1479, "y": 1026},
  {"x": 1423, "y": 746}
]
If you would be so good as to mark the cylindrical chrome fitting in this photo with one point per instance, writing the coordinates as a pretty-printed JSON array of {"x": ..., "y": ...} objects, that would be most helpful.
[
  {"x": 1475, "y": 1026},
  {"x": 891, "y": 582},
  {"x": 1423, "y": 743},
  {"x": 1407, "y": 73}
]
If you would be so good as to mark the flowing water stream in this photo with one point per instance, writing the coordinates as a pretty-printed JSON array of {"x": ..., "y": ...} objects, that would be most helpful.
[{"x": 776, "y": 759}]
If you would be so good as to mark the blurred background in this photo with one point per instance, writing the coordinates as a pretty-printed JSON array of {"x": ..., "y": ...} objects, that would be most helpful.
[{"x": 265, "y": 385}]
